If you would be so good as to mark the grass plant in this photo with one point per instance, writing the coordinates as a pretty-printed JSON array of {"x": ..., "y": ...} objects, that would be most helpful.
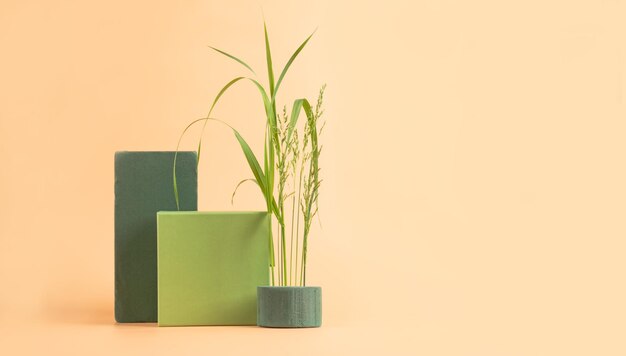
[{"x": 289, "y": 177}]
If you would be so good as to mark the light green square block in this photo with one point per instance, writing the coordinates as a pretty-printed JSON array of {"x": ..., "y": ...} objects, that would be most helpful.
[{"x": 209, "y": 266}]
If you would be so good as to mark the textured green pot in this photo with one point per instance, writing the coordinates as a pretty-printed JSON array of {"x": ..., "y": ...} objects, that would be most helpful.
[
  {"x": 289, "y": 307},
  {"x": 209, "y": 265}
]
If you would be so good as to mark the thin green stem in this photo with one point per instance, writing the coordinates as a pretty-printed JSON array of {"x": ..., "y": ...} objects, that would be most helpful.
[
  {"x": 281, "y": 206},
  {"x": 269, "y": 209},
  {"x": 271, "y": 241},
  {"x": 298, "y": 225},
  {"x": 284, "y": 248},
  {"x": 304, "y": 254},
  {"x": 293, "y": 210},
  {"x": 279, "y": 258}
]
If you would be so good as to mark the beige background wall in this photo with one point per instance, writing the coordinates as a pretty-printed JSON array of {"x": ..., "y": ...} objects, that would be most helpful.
[{"x": 474, "y": 193}]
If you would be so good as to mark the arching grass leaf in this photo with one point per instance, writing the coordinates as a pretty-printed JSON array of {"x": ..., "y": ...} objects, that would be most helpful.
[
  {"x": 289, "y": 62},
  {"x": 234, "y": 58}
]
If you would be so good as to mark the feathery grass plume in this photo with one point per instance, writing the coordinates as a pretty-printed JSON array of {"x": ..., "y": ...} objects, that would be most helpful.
[{"x": 312, "y": 183}]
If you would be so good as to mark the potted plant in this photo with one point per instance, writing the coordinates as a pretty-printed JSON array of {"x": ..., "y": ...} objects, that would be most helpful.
[{"x": 289, "y": 181}]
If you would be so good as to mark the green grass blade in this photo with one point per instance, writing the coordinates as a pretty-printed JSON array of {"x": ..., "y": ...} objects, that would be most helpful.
[
  {"x": 252, "y": 162},
  {"x": 269, "y": 110},
  {"x": 295, "y": 114},
  {"x": 309, "y": 113},
  {"x": 217, "y": 98},
  {"x": 255, "y": 167},
  {"x": 273, "y": 130},
  {"x": 269, "y": 205},
  {"x": 269, "y": 173},
  {"x": 232, "y": 198},
  {"x": 257, "y": 172},
  {"x": 266, "y": 163},
  {"x": 271, "y": 114},
  {"x": 298, "y": 105},
  {"x": 176, "y": 197},
  {"x": 310, "y": 116},
  {"x": 221, "y": 92},
  {"x": 268, "y": 58},
  {"x": 286, "y": 68},
  {"x": 234, "y": 58}
]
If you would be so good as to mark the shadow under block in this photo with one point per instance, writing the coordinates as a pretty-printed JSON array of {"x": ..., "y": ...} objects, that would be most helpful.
[
  {"x": 210, "y": 265},
  {"x": 144, "y": 186}
]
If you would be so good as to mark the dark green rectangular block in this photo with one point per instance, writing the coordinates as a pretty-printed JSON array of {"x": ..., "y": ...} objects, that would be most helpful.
[{"x": 144, "y": 186}]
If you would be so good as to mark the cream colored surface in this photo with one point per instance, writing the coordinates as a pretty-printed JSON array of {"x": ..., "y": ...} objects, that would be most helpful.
[{"x": 474, "y": 194}]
